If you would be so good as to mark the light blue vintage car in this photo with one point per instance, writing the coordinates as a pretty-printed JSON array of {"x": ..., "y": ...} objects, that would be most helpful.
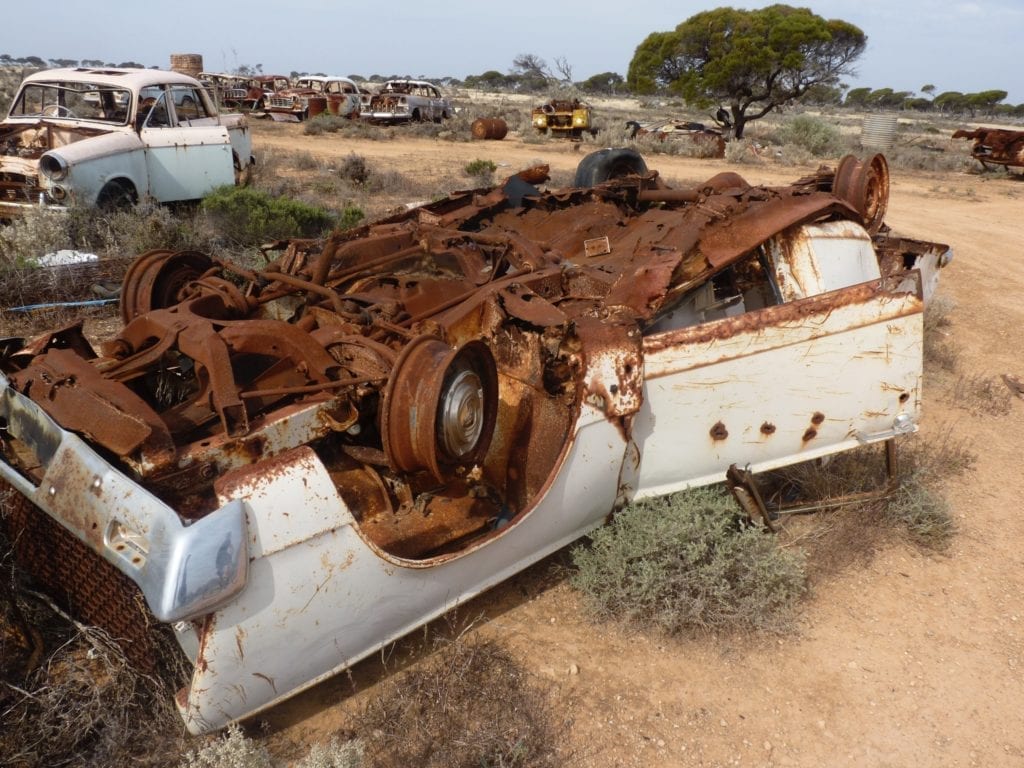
[{"x": 112, "y": 137}]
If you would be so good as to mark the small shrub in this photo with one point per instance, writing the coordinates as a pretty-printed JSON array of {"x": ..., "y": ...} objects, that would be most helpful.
[
  {"x": 920, "y": 158},
  {"x": 917, "y": 509},
  {"x": 480, "y": 169},
  {"x": 923, "y": 513},
  {"x": 249, "y": 216},
  {"x": 351, "y": 216},
  {"x": 35, "y": 234},
  {"x": 792, "y": 154},
  {"x": 128, "y": 233},
  {"x": 334, "y": 754},
  {"x": 351, "y": 128},
  {"x": 306, "y": 161},
  {"x": 743, "y": 152},
  {"x": 231, "y": 749},
  {"x": 684, "y": 562},
  {"x": 354, "y": 169},
  {"x": 813, "y": 134}
]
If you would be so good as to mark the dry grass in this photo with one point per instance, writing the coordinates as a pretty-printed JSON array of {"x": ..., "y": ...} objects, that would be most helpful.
[
  {"x": 470, "y": 704},
  {"x": 85, "y": 705}
]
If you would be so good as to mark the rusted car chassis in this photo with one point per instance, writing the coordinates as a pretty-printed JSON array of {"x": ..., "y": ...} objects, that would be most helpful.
[
  {"x": 998, "y": 146},
  {"x": 297, "y": 464}
]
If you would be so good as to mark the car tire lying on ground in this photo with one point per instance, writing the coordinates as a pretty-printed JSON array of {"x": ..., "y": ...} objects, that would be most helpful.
[{"x": 598, "y": 167}]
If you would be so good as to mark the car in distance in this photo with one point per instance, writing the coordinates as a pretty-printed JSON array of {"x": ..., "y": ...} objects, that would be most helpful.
[
  {"x": 565, "y": 118},
  {"x": 250, "y": 94},
  {"x": 288, "y": 468},
  {"x": 111, "y": 137},
  {"x": 293, "y": 102},
  {"x": 398, "y": 101}
]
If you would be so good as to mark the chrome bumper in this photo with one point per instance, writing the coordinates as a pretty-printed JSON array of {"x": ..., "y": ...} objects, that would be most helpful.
[{"x": 184, "y": 571}]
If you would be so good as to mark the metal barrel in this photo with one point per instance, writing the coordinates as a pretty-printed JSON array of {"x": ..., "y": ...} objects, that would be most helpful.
[
  {"x": 878, "y": 131},
  {"x": 489, "y": 128}
]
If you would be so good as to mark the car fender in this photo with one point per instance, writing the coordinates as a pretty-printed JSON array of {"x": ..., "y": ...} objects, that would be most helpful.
[{"x": 91, "y": 163}]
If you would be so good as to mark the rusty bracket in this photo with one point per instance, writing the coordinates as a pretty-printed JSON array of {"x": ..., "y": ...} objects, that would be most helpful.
[{"x": 743, "y": 486}]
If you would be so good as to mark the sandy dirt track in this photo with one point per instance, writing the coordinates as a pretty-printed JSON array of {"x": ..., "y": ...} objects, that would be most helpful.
[{"x": 908, "y": 660}]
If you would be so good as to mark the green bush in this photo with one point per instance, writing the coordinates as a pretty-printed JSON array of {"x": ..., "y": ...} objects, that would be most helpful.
[
  {"x": 481, "y": 169},
  {"x": 817, "y": 136},
  {"x": 249, "y": 216},
  {"x": 685, "y": 562}
]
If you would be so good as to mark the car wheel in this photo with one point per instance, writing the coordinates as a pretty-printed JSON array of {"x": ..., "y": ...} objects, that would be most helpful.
[
  {"x": 116, "y": 196},
  {"x": 605, "y": 164}
]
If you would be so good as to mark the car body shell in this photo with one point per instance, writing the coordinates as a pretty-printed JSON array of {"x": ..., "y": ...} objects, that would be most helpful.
[
  {"x": 553, "y": 356},
  {"x": 158, "y": 136},
  {"x": 566, "y": 118},
  {"x": 293, "y": 103},
  {"x": 250, "y": 94},
  {"x": 399, "y": 101}
]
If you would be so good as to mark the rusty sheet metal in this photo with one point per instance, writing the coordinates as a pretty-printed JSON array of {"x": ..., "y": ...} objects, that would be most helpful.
[{"x": 999, "y": 146}]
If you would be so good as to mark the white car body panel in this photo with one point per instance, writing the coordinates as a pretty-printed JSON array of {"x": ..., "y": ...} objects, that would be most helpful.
[
  {"x": 181, "y": 161},
  {"x": 336, "y": 581}
]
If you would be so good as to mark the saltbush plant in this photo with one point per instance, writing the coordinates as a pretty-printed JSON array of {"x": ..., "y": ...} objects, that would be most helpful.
[
  {"x": 687, "y": 562},
  {"x": 813, "y": 134},
  {"x": 481, "y": 170},
  {"x": 248, "y": 216}
]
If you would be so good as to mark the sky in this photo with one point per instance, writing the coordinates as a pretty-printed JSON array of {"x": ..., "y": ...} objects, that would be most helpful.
[{"x": 956, "y": 45}]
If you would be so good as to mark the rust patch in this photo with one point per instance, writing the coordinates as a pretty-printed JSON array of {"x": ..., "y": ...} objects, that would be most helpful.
[
  {"x": 718, "y": 431},
  {"x": 767, "y": 428}
]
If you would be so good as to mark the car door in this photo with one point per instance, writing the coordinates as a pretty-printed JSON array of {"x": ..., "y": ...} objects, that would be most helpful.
[
  {"x": 805, "y": 359},
  {"x": 183, "y": 161}
]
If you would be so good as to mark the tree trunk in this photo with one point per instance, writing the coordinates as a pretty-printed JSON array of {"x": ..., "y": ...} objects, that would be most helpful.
[{"x": 739, "y": 120}]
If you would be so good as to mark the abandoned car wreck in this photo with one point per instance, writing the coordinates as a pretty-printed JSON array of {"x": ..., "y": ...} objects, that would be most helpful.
[{"x": 296, "y": 465}]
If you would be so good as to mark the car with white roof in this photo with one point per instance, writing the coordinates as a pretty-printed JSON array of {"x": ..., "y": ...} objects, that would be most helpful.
[
  {"x": 398, "y": 101},
  {"x": 116, "y": 136}
]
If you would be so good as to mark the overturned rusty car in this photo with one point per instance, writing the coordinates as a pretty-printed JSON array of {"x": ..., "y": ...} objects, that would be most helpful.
[
  {"x": 999, "y": 146},
  {"x": 294, "y": 466}
]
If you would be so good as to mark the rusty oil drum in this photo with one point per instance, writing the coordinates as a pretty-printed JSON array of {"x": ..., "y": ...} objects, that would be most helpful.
[{"x": 489, "y": 128}]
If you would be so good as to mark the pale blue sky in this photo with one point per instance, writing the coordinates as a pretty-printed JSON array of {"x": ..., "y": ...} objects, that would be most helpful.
[{"x": 963, "y": 45}]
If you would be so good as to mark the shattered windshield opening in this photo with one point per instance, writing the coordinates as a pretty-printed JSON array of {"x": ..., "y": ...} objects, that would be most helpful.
[{"x": 77, "y": 101}]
